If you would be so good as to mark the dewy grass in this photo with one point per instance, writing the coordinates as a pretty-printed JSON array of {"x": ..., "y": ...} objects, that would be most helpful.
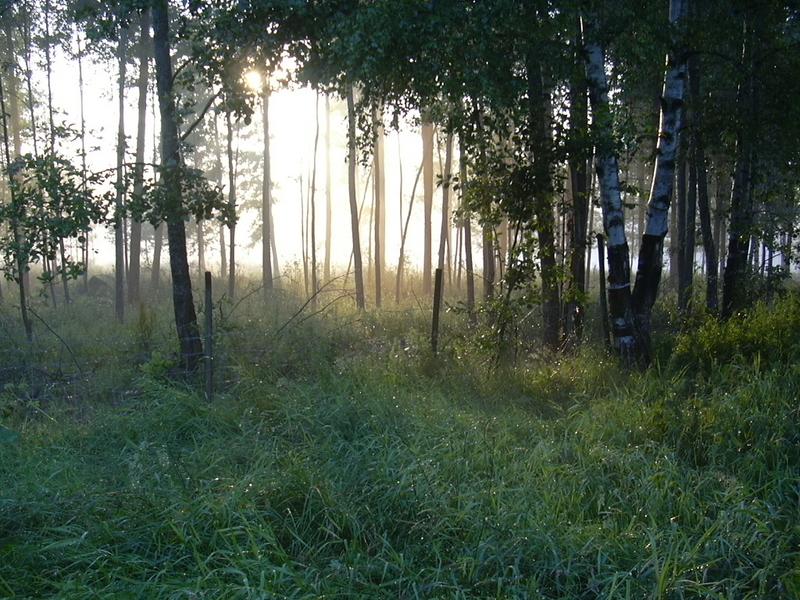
[{"x": 345, "y": 461}]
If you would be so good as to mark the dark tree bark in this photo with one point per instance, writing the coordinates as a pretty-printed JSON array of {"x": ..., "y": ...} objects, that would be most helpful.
[
  {"x": 607, "y": 169},
  {"x": 191, "y": 348},
  {"x": 351, "y": 184},
  {"x": 704, "y": 205},
  {"x": 579, "y": 120},
  {"x": 541, "y": 145},
  {"x": 734, "y": 287},
  {"x": 648, "y": 275}
]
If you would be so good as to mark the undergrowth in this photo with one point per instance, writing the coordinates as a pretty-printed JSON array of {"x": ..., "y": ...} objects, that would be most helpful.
[{"x": 341, "y": 459}]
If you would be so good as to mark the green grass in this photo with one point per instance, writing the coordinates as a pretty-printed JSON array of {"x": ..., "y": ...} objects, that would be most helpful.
[{"x": 343, "y": 460}]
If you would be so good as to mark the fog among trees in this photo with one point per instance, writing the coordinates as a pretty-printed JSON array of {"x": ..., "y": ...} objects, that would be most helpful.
[{"x": 399, "y": 298}]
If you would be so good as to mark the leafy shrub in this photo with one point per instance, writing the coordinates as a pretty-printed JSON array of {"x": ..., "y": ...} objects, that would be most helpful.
[{"x": 770, "y": 333}]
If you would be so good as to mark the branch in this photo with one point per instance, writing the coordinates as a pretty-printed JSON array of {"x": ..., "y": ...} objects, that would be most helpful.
[{"x": 201, "y": 117}]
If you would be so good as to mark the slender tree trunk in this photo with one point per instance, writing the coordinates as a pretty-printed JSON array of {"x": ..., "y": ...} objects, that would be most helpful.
[
  {"x": 21, "y": 261},
  {"x": 378, "y": 171},
  {"x": 704, "y": 205},
  {"x": 682, "y": 221},
  {"x": 231, "y": 206},
  {"x": 266, "y": 198},
  {"x": 467, "y": 227},
  {"x": 51, "y": 260},
  {"x": 201, "y": 248},
  {"x": 443, "y": 233},
  {"x": 648, "y": 275},
  {"x": 328, "y": 191},
  {"x": 542, "y": 149},
  {"x": 49, "y": 65},
  {"x": 158, "y": 230},
  {"x": 351, "y": 182},
  {"x": 401, "y": 260},
  {"x": 578, "y": 170},
  {"x": 313, "y": 203},
  {"x": 488, "y": 262},
  {"x": 119, "y": 203},
  {"x": 607, "y": 168},
  {"x": 304, "y": 238},
  {"x": 28, "y": 43},
  {"x": 134, "y": 266},
  {"x": 686, "y": 271},
  {"x": 183, "y": 303},
  {"x": 223, "y": 256},
  {"x": 734, "y": 287},
  {"x": 427, "y": 189},
  {"x": 155, "y": 271},
  {"x": 85, "y": 235},
  {"x": 722, "y": 195}
]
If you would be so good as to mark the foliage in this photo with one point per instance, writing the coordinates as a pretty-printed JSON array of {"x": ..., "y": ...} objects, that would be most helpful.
[
  {"x": 52, "y": 202},
  {"x": 767, "y": 333}
]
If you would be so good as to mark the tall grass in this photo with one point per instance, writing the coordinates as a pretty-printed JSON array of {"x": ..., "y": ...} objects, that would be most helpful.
[{"x": 341, "y": 459}]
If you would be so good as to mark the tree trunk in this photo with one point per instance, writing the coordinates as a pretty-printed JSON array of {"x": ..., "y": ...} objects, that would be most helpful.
[
  {"x": 231, "y": 206},
  {"x": 467, "y": 227},
  {"x": 119, "y": 203},
  {"x": 699, "y": 158},
  {"x": 648, "y": 275},
  {"x": 488, "y": 262},
  {"x": 185, "y": 318},
  {"x": 351, "y": 184},
  {"x": 689, "y": 227},
  {"x": 21, "y": 262},
  {"x": 541, "y": 146},
  {"x": 734, "y": 286},
  {"x": 427, "y": 190},
  {"x": 443, "y": 233},
  {"x": 85, "y": 241},
  {"x": 328, "y": 191},
  {"x": 401, "y": 259},
  {"x": 134, "y": 268},
  {"x": 201, "y": 248},
  {"x": 379, "y": 191},
  {"x": 578, "y": 170},
  {"x": 266, "y": 199},
  {"x": 607, "y": 168},
  {"x": 312, "y": 200}
]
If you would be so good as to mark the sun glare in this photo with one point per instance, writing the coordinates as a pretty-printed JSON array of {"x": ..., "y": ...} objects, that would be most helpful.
[{"x": 253, "y": 80}]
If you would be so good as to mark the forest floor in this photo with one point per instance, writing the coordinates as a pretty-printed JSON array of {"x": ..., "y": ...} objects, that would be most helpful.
[{"x": 339, "y": 458}]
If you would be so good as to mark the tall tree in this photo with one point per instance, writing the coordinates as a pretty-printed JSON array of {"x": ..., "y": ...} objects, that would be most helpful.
[
  {"x": 183, "y": 303},
  {"x": 648, "y": 274},
  {"x": 427, "y": 191},
  {"x": 351, "y": 184},
  {"x": 266, "y": 194},
  {"x": 134, "y": 270},
  {"x": 119, "y": 204}
]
